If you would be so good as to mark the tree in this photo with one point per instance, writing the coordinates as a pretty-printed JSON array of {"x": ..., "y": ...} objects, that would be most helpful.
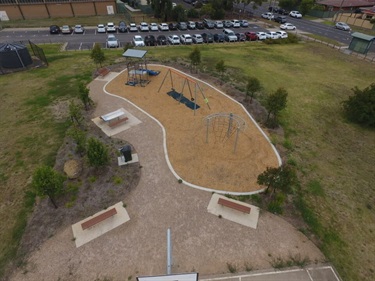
[
  {"x": 97, "y": 153},
  {"x": 287, "y": 4},
  {"x": 84, "y": 96},
  {"x": 360, "y": 108},
  {"x": 195, "y": 58},
  {"x": 47, "y": 182},
  {"x": 75, "y": 113},
  {"x": 178, "y": 14},
  {"x": 220, "y": 67},
  {"x": 97, "y": 55},
  {"x": 306, "y": 6},
  {"x": 281, "y": 178},
  {"x": 275, "y": 103},
  {"x": 79, "y": 136},
  {"x": 252, "y": 87}
]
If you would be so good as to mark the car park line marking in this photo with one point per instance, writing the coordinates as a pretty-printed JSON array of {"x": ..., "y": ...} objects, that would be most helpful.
[
  {"x": 80, "y": 46},
  {"x": 308, "y": 273}
]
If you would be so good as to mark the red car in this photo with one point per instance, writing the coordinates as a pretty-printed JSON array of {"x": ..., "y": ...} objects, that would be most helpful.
[{"x": 251, "y": 36}]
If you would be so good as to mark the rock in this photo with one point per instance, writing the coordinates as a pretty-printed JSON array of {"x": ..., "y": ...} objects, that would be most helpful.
[{"x": 73, "y": 168}]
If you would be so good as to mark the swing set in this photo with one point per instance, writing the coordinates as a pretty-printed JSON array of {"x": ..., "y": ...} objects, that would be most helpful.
[{"x": 179, "y": 96}]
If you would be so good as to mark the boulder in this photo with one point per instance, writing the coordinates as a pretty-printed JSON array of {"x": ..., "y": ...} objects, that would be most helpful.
[{"x": 73, "y": 168}]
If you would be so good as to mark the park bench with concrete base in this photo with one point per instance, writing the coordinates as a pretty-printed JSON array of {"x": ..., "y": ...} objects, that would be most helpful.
[
  {"x": 99, "y": 218},
  {"x": 234, "y": 205}
]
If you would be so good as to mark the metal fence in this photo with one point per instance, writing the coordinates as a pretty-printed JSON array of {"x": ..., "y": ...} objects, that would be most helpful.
[{"x": 38, "y": 52}]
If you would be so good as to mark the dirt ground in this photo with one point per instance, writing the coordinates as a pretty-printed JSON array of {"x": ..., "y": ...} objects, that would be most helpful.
[
  {"x": 201, "y": 241},
  {"x": 214, "y": 164}
]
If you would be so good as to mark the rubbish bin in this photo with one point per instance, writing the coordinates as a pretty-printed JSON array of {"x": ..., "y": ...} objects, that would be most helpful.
[{"x": 127, "y": 153}]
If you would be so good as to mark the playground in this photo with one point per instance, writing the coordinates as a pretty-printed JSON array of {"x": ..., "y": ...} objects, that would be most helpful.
[{"x": 211, "y": 140}]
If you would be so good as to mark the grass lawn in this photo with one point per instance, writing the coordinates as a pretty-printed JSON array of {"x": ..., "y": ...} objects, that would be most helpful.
[{"x": 334, "y": 158}]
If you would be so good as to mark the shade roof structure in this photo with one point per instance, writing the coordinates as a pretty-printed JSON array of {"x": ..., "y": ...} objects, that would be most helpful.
[
  {"x": 363, "y": 36},
  {"x": 133, "y": 53},
  {"x": 172, "y": 277}
]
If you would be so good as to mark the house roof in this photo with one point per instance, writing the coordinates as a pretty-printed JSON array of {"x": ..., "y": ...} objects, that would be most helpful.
[
  {"x": 347, "y": 3},
  {"x": 370, "y": 11},
  {"x": 133, "y": 53},
  {"x": 363, "y": 36}
]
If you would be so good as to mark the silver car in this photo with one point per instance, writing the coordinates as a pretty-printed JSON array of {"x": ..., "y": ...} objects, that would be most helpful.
[
  {"x": 342, "y": 26},
  {"x": 112, "y": 41}
]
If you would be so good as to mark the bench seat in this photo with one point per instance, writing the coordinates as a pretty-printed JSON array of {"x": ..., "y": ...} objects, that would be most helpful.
[
  {"x": 99, "y": 218},
  {"x": 234, "y": 205}
]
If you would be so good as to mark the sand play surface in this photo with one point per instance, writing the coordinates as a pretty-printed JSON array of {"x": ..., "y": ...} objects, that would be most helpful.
[{"x": 214, "y": 164}]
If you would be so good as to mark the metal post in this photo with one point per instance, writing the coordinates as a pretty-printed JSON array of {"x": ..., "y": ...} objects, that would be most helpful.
[
  {"x": 230, "y": 124},
  {"x": 169, "y": 252},
  {"x": 208, "y": 124},
  {"x": 235, "y": 142}
]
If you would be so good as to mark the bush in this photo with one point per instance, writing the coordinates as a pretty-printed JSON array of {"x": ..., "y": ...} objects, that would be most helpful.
[
  {"x": 97, "y": 153},
  {"x": 193, "y": 13}
]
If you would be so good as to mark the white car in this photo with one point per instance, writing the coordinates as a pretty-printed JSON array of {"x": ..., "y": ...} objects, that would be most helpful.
[
  {"x": 295, "y": 14},
  {"x": 197, "y": 39},
  {"x": 163, "y": 27},
  {"x": 261, "y": 35},
  {"x": 79, "y": 29},
  {"x": 143, "y": 26},
  {"x": 272, "y": 35},
  {"x": 244, "y": 23},
  {"x": 219, "y": 24},
  {"x": 133, "y": 27},
  {"x": 111, "y": 27},
  {"x": 282, "y": 34},
  {"x": 101, "y": 28},
  {"x": 268, "y": 16},
  {"x": 154, "y": 27},
  {"x": 191, "y": 25},
  {"x": 174, "y": 39},
  {"x": 138, "y": 41},
  {"x": 287, "y": 26},
  {"x": 186, "y": 39},
  {"x": 112, "y": 41},
  {"x": 236, "y": 23},
  {"x": 342, "y": 26}
]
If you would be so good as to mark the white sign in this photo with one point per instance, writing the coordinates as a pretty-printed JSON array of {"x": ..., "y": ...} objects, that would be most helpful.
[
  {"x": 3, "y": 16},
  {"x": 110, "y": 10}
]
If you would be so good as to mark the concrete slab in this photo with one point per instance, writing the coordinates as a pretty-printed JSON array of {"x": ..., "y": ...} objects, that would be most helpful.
[
  {"x": 110, "y": 131},
  {"x": 84, "y": 236},
  {"x": 250, "y": 220},
  {"x": 121, "y": 160}
]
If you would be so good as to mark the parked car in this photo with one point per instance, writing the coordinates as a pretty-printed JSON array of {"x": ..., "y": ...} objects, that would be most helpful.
[
  {"x": 342, "y": 26},
  {"x": 280, "y": 19},
  {"x": 268, "y": 16},
  {"x": 197, "y": 39},
  {"x": 112, "y": 41},
  {"x": 287, "y": 26},
  {"x": 174, "y": 39},
  {"x": 133, "y": 27},
  {"x": 65, "y": 29},
  {"x": 143, "y": 27},
  {"x": 295, "y": 14},
  {"x": 218, "y": 24},
  {"x": 251, "y": 36},
  {"x": 122, "y": 27},
  {"x": 244, "y": 23},
  {"x": 100, "y": 28},
  {"x": 261, "y": 35},
  {"x": 283, "y": 12},
  {"x": 207, "y": 37},
  {"x": 191, "y": 25},
  {"x": 282, "y": 34},
  {"x": 227, "y": 24},
  {"x": 138, "y": 41},
  {"x": 236, "y": 23},
  {"x": 199, "y": 25},
  {"x": 79, "y": 29},
  {"x": 229, "y": 35},
  {"x": 173, "y": 26},
  {"x": 54, "y": 29},
  {"x": 161, "y": 40},
  {"x": 241, "y": 37},
  {"x": 153, "y": 27},
  {"x": 163, "y": 27},
  {"x": 186, "y": 39},
  {"x": 219, "y": 37},
  {"x": 150, "y": 40},
  {"x": 209, "y": 24},
  {"x": 272, "y": 35},
  {"x": 182, "y": 25},
  {"x": 111, "y": 27}
]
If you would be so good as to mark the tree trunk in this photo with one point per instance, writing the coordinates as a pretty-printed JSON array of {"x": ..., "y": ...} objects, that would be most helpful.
[{"x": 53, "y": 202}]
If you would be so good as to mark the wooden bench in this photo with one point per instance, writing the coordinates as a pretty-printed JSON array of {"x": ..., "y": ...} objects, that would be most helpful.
[
  {"x": 103, "y": 71},
  {"x": 118, "y": 121},
  {"x": 99, "y": 218},
  {"x": 234, "y": 205}
]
